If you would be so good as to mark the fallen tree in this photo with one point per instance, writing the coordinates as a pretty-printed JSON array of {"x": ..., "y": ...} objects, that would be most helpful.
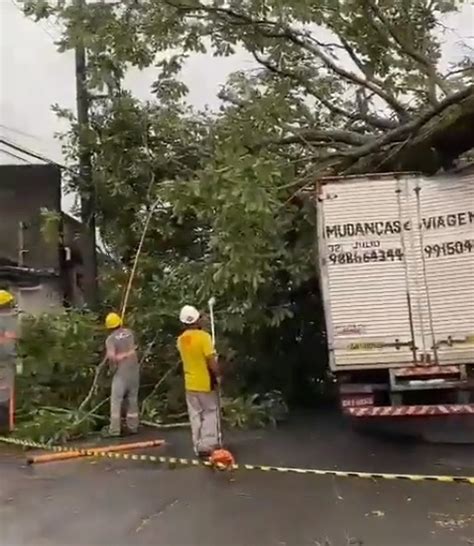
[
  {"x": 432, "y": 142},
  {"x": 333, "y": 87}
]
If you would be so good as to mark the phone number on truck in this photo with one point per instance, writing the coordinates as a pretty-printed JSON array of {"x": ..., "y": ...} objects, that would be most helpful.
[
  {"x": 449, "y": 249},
  {"x": 344, "y": 258},
  {"x": 437, "y": 250}
]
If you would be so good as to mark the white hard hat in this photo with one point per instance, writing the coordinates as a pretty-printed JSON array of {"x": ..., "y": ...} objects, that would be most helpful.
[{"x": 189, "y": 314}]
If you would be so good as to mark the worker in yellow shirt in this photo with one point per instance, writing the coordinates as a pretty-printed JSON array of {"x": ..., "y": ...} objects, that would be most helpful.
[
  {"x": 201, "y": 374},
  {"x": 8, "y": 358}
]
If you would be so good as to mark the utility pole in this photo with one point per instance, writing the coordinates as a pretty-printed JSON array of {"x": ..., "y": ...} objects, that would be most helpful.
[
  {"x": 87, "y": 191},
  {"x": 21, "y": 244}
]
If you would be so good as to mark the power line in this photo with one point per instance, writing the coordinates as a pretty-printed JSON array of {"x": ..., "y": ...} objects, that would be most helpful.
[
  {"x": 39, "y": 157},
  {"x": 43, "y": 27},
  {"x": 13, "y": 155},
  {"x": 29, "y": 152},
  {"x": 18, "y": 131}
]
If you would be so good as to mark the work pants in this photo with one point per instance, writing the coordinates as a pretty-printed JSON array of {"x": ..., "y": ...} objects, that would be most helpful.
[
  {"x": 125, "y": 386},
  {"x": 203, "y": 411},
  {"x": 7, "y": 393}
]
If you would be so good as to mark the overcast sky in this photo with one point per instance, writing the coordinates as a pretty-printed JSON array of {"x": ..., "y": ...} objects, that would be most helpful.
[{"x": 34, "y": 76}]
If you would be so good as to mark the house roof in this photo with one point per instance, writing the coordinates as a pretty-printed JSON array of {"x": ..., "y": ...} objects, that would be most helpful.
[{"x": 11, "y": 271}]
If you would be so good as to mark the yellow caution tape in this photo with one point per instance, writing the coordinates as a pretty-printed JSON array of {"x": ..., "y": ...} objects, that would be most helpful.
[{"x": 173, "y": 462}]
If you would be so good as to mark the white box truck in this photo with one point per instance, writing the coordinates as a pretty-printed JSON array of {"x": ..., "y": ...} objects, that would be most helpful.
[{"x": 396, "y": 259}]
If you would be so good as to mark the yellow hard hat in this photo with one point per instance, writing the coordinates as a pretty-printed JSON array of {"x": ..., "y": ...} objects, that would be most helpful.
[
  {"x": 113, "y": 321},
  {"x": 5, "y": 297}
]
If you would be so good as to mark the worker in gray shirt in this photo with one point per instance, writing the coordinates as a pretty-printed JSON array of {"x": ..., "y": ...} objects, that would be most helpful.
[
  {"x": 123, "y": 361},
  {"x": 8, "y": 356}
]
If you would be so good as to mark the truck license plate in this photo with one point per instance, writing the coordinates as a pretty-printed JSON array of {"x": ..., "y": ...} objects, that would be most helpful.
[{"x": 358, "y": 401}]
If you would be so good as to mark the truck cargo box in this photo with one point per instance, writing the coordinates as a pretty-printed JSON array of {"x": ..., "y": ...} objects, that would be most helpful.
[{"x": 396, "y": 256}]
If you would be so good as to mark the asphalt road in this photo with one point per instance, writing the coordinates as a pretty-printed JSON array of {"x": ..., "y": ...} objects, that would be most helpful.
[{"x": 127, "y": 503}]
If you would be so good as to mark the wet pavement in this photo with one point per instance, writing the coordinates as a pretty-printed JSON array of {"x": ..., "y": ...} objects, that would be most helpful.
[{"x": 103, "y": 502}]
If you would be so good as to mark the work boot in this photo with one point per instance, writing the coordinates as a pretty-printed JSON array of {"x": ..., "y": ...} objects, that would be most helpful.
[{"x": 107, "y": 433}]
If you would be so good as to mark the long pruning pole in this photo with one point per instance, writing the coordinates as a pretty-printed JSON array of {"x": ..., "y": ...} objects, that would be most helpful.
[
  {"x": 101, "y": 366},
  {"x": 137, "y": 256},
  {"x": 211, "y": 303}
]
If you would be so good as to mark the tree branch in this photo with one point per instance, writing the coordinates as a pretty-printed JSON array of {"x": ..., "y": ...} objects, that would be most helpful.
[
  {"x": 95, "y": 383},
  {"x": 270, "y": 29},
  {"x": 387, "y": 146},
  {"x": 351, "y": 77},
  {"x": 355, "y": 58},
  {"x": 314, "y": 135},
  {"x": 434, "y": 144},
  {"x": 225, "y": 96},
  {"x": 457, "y": 71},
  {"x": 410, "y": 128},
  {"x": 374, "y": 121},
  {"x": 406, "y": 48}
]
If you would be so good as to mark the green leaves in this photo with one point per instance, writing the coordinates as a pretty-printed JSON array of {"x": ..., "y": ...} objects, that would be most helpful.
[
  {"x": 254, "y": 411},
  {"x": 59, "y": 354},
  {"x": 38, "y": 9}
]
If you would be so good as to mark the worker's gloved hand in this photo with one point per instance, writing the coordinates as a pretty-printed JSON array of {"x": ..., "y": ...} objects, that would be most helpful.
[
  {"x": 215, "y": 380},
  {"x": 19, "y": 366}
]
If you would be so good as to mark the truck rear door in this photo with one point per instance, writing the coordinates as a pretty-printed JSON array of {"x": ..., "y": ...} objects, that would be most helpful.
[
  {"x": 442, "y": 211},
  {"x": 364, "y": 274}
]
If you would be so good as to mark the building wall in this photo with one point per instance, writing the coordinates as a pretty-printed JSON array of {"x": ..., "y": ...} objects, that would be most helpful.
[
  {"x": 73, "y": 266},
  {"x": 24, "y": 190},
  {"x": 46, "y": 297}
]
